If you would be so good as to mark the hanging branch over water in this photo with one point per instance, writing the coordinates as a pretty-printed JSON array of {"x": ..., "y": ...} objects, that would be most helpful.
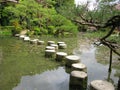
[{"x": 113, "y": 23}]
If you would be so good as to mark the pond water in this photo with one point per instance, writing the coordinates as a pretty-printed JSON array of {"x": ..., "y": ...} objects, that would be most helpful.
[{"x": 58, "y": 79}]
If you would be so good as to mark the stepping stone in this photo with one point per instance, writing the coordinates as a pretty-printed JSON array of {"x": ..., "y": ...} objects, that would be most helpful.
[
  {"x": 50, "y": 48},
  {"x": 79, "y": 67},
  {"x": 79, "y": 79},
  {"x": 60, "y": 56},
  {"x": 22, "y": 36},
  {"x": 62, "y": 46},
  {"x": 54, "y": 45},
  {"x": 17, "y": 35},
  {"x": 51, "y": 42},
  {"x": 72, "y": 59},
  {"x": 101, "y": 85},
  {"x": 39, "y": 42},
  {"x": 34, "y": 41},
  {"x": 49, "y": 53},
  {"x": 60, "y": 43},
  {"x": 26, "y": 38}
]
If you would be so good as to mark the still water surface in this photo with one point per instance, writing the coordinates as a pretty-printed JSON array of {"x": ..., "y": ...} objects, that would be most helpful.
[{"x": 58, "y": 79}]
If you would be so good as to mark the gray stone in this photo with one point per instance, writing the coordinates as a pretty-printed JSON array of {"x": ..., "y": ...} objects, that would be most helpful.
[
  {"x": 50, "y": 53},
  {"x": 79, "y": 66},
  {"x": 72, "y": 59},
  {"x": 101, "y": 85},
  {"x": 60, "y": 56}
]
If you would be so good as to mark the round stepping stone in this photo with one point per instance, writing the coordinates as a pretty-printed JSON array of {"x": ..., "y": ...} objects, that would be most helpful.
[
  {"x": 78, "y": 78},
  {"x": 49, "y": 53},
  {"x": 17, "y": 35},
  {"x": 79, "y": 66},
  {"x": 34, "y": 41},
  {"x": 50, "y": 48},
  {"x": 54, "y": 45},
  {"x": 62, "y": 46},
  {"x": 26, "y": 38},
  {"x": 51, "y": 42},
  {"x": 101, "y": 85},
  {"x": 60, "y": 56},
  {"x": 58, "y": 43},
  {"x": 39, "y": 42},
  {"x": 72, "y": 59},
  {"x": 22, "y": 36}
]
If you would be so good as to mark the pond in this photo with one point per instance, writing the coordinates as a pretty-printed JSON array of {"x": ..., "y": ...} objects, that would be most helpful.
[{"x": 54, "y": 77}]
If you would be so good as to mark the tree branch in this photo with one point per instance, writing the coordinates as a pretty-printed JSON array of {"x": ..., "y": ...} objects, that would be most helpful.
[{"x": 89, "y": 24}]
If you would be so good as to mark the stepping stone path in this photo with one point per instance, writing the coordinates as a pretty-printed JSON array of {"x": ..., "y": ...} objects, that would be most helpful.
[
  {"x": 17, "y": 35},
  {"x": 58, "y": 43},
  {"x": 60, "y": 56},
  {"x": 50, "y": 48},
  {"x": 79, "y": 67},
  {"x": 22, "y": 36},
  {"x": 78, "y": 78},
  {"x": 54, "y": 45},
  {"x": 51, "y": 42},
  {"x": 101, "y": 85},
  {"x": 34, "y": 41},
  {"x": 39, "y": 42},
  {"x": 49, "y": 53},
  {"x": 62, "y": 46},
  {"x": 26, "y": 38},
  {"x": 72, "y": 59}
]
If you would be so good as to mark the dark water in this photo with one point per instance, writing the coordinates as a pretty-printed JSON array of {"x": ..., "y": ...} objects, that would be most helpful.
[{"x": 58, "y": 79}]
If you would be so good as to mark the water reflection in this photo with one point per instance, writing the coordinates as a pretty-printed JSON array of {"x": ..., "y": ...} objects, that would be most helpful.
[
  {"x": 50, "y": 80},
  {"x": 95, "y": 70},
  {"x": 58, "y": 79}
]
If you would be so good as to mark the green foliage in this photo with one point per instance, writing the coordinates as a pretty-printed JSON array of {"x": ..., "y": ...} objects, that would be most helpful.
[
  {"x": 6, "y": 30},
  {"x": 41, "y": 18},
  {"x": 51, "y": 29},
  {"x": 65, "y": 8},
  {"x": 101, "y": 14}
]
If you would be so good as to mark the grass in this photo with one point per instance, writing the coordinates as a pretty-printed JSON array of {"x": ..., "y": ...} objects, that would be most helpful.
[{"x": 20, "y": 58}]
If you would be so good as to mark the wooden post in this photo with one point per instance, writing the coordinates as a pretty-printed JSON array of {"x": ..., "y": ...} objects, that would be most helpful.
[
  {"x": 109, "y": 74},
  {"x": 118, "y": 88},
  {"x": 110, "y": 60}
]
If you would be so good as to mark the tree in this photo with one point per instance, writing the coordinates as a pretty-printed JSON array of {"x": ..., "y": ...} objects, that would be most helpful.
[
  {"x": 96, "y": 17},
  {"x": 37, "y": 17}
]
